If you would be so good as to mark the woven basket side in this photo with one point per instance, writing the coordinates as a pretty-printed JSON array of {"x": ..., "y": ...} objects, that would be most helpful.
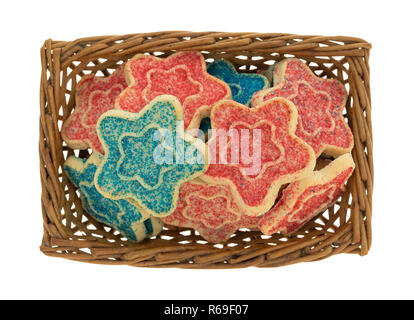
[{"x": 71, "y": 233}]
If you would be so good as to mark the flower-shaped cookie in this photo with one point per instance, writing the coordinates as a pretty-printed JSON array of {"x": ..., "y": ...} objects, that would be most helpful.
[
  {"x": 319, "y": 102},
  {"x": 148, "y": 155},
  {"x": 262, "y": 151},
  {"x": 119, "y": 214},
  {"x": 211, "y": 210},
  {"x": 94, "y": 96},
  {"x": 182, "y": 75},
  {"x": 242, "y": 85},
  {"x": 304, "y": 199}
]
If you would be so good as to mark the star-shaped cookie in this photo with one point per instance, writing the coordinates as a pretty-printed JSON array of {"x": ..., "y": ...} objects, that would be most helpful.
[
  {"x": 183, "y": 75},
  {"x": 261, "y": 152},
  {"x": 242, "y": 85},
  {"x": 211, "y": 210},
  {"x": 94, "y": 96},
  {"x": 304, "y": 199},
  {"x": 119, "y": 214},
  {"x": 320, "y": 103}
]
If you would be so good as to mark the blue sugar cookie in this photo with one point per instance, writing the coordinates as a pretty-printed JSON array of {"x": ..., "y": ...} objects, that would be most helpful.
[
  {"x": 119, "y": 214},
  {"x": 242, "y": 85},
  {"x": 269, "y": 73},
  {"x": 146, "y": 157}
]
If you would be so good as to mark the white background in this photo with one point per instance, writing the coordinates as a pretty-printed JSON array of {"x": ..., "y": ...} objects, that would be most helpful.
[{"x": 387, "y": 272}]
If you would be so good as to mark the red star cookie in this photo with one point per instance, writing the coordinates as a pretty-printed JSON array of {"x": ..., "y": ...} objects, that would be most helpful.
[
  {"x": 319, "y": 102},
  {"x": 211, "y": 210},
  {"x": 262, "y": 151},
  {"x": 182, "y": 75},
  {"x": 94, "y": 96},
  {"x": 304, "y": 199}
]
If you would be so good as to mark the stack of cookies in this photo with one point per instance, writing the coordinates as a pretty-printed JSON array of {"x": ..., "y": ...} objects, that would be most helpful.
[{"x": 208, "y": 148}]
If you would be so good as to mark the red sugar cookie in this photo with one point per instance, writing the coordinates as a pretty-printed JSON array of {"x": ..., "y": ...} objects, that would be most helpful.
[
  {"x": 182, "y": 75},
  {"x": 94, "y": 96},
  {"x": 209, "y": 209},
  {"x": 304, "y": 199},
  {"x": 276, "y": 157},
  {"x": 319, "y": 102}
]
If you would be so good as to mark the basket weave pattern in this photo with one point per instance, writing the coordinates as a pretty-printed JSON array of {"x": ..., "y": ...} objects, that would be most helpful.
[{"x": 71, "y": 233}]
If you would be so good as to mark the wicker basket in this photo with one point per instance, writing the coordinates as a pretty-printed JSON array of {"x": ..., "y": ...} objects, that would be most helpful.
[{"x": 69, "y": 232}]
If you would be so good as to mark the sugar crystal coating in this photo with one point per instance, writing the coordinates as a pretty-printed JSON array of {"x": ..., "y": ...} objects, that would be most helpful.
[
  {"x": 242, "y": 85},
  {"x": 280, "y": 158},
  {"x": 319, "y": 102},
  {"x": 182, "y": 75},
  {"x": 119, "y": 214},
  {"x": 94, "y": 96},
  {"x": 211, "y": 210},
  {"x": 130, "y": 169},
  {"x": 304, "y": 199}
]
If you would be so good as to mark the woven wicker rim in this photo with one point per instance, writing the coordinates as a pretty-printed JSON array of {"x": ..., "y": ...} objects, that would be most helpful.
[{"x": 69, "y": 232}]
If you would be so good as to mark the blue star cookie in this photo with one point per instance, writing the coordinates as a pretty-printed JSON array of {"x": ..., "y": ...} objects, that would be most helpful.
[
  {"x": 119, "y": 214},
  {"x": 148, "y": 155},
  {"x": 242, "y": 85}
]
